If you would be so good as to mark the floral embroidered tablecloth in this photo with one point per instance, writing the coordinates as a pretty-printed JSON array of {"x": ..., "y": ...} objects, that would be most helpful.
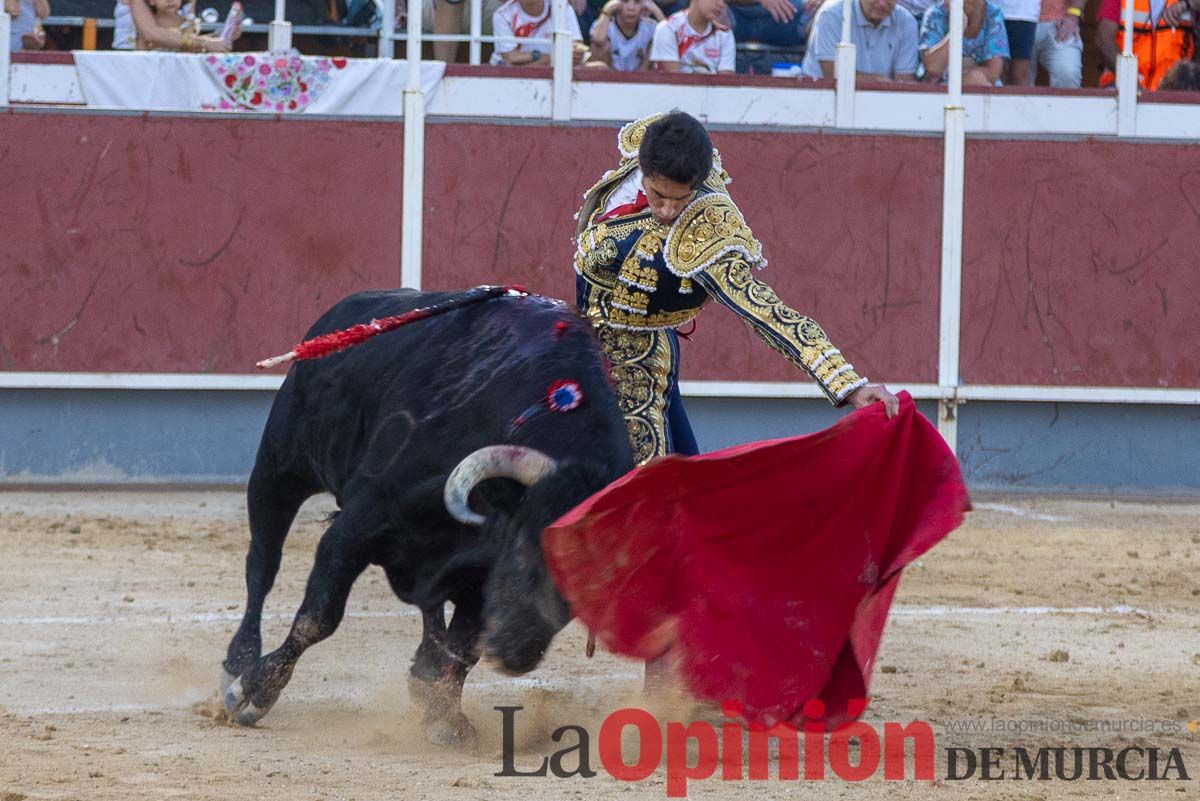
[{"x": 253, "y": 82}]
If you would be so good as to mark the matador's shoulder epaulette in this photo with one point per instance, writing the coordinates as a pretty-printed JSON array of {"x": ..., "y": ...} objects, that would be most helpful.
[
  {"x": 709, "y": 229},
  {"x": 629, "y": 139}
]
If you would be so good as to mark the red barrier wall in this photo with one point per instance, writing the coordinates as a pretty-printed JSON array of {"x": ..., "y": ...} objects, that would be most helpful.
[
  {"x": 158, "y": 244},
  {"x": 1080, "y": 264},
  {"x": 146, "y": 244}
]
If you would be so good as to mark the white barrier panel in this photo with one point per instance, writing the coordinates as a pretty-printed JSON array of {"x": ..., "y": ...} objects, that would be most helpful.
[
  {"x": 413, "y": 191},
  {"x": 5, "y": 32},
  {"x": 953, "y": 175}
]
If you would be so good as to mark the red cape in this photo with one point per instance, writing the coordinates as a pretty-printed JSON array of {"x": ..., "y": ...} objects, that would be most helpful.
[{"x": 765, "y": 570}]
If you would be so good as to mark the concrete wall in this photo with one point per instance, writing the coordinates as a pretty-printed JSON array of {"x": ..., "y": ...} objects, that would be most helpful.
[{"x": 120, "y": 437}]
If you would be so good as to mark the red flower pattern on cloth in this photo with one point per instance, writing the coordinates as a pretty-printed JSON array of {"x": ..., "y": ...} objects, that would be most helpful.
[{"x": 266, "y": 82}]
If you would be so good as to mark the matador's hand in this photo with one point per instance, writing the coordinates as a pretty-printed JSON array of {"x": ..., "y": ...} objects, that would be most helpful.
[{"x": 870, "y": 393}]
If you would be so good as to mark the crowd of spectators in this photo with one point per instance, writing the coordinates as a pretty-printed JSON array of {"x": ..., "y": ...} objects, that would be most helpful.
[{"x": 1005, "y": 42}]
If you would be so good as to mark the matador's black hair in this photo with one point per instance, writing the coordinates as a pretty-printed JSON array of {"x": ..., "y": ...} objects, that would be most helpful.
[{"x": 676, "y": 147}]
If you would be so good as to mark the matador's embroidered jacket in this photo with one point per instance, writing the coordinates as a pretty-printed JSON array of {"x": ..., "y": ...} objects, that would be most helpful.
[{"x": 639, "y": 279}]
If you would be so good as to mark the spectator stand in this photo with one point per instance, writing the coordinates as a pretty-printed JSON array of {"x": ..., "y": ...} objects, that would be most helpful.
[
  {"x": 381, "y": 35},
  {"x": 753, "y": 58},
  {"x": 329, "y": 35},
  {"x": 474, "y": 37}
]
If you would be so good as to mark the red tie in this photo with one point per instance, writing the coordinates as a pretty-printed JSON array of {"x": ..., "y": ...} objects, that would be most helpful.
[{"x": 627, "y": 208}]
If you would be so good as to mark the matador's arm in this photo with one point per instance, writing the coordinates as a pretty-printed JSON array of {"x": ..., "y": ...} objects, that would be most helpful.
[{"x": 730, "y": 282}]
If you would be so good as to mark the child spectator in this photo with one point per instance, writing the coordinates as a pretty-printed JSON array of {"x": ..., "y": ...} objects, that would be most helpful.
[
  {"x": 159, "y": 27},
  {"x": 1162, "y": 35},
  {"x": 449, "y": 17},
  {"x": 528, "y": 19},
  {"x": 985, "y": 43},
  {"x": 883, "y": 34},
  {"x": 694, "y": 40},
  {"x": 623, "y": 33}
]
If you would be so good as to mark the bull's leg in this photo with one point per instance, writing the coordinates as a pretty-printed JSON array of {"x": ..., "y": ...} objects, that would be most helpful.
[
  {"x": 342, "y": 555},
  {"x": 272, "y": 503},
  {"x": 443, "y": 660},
  {"x": 427, "y": 667}
]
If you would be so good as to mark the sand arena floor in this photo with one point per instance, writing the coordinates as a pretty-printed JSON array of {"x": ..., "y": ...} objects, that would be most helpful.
[{"x": 115, "y": 609}]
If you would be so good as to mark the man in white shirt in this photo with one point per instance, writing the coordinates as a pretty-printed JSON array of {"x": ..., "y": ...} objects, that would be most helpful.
[
  {"x": 528, "y": 19},
  {"x": 884, "y": 35},
  {"x": 694, "y": 40}
]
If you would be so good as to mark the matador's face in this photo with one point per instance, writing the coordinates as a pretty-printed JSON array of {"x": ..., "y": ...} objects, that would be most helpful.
[{"x": 667, "y": 198}]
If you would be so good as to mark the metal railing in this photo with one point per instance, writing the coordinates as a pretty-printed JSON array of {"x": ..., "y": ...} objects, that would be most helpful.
[
  {"x": 474, "y": 37},
  {"x": 256, "y": 27}
]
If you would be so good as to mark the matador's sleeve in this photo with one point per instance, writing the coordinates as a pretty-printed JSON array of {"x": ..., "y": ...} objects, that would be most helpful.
[
  {"x": 714, "y": 247},
  {"x": 800, "y": 339}
]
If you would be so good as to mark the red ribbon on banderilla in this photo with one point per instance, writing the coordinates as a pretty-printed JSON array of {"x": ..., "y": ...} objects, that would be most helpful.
[{"x": 335, "y": 341}]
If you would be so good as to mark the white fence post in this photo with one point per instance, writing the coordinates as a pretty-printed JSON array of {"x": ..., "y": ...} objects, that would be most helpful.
[
  {"x": 279, "y": 32},
  {"x": 5, "y": 29},
  {"x": 387, "y": 27},
  {"x": 476, "y": 47},
  {"x": 1127, "y": 79},
  {"x": 953, "y": 178},
  {"x": 564, "y": 62},
  {"x": 845, "y": 71},
  {"x": 413, "y": 199}
]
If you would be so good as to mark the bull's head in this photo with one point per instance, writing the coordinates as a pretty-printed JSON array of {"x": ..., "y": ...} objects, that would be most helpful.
[{"x": 523, "y": 610}]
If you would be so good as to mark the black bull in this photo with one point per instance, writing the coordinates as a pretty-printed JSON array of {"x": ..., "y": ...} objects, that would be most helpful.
[{"x": 382, "y": 426}]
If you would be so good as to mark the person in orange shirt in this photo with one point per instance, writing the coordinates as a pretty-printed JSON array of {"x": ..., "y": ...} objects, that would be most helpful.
[{"x": 1162, "y": 35}]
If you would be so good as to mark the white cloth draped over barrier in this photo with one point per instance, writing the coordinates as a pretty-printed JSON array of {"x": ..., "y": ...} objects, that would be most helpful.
[{"x": 253, "y": 82}]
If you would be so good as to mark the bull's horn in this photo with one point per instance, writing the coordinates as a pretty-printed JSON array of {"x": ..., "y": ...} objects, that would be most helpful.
[{"x": 517, "y": 462}]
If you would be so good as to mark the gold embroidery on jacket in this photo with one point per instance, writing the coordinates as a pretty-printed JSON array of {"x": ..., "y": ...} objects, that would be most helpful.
[
  {"x": 797, "y": 337},
  {"x": 710, "y": 228},
  {"x": 637, "y": 273},
  {"x": 630, "y": 300},
  {"x": 629, "y": 138},
  {"x": 641, "y": 366}
]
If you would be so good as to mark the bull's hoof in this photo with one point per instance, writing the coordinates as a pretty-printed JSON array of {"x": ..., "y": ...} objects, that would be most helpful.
[
  {"x": 240, "y": 708},
  {"x": 456, "y": 732}
]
